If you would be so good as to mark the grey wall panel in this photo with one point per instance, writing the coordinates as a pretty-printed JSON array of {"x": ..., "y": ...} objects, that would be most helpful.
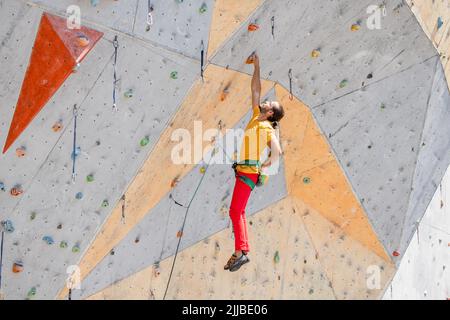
[
  {"x": 375, "y": 134},
  {"x": 434, "y": 156}
]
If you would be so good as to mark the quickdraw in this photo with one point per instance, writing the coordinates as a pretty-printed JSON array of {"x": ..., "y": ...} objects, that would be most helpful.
[
  {"x": 149, "y": 16},
  {"x": 116, "y": 47},
  {"x": 291, "y": 96},
  {"x": 74, "y": 155},
  {"x": 202, "y": 59}
]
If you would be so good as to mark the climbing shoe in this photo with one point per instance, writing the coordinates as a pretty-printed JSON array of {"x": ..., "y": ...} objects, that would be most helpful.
[
  {"x": 230, "y": 262},
  {"x": 239, "y": 262}
]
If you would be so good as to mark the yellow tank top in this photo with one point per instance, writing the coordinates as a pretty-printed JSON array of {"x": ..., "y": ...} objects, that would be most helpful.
[{"x": 257, "y": 137}]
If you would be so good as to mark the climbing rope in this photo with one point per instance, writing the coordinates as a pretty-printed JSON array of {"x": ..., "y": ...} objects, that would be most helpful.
[
  {"x": 116, "y": 47},
  {"x": 181, "y": 233},
  {"x": 182, "y": 229},
  {"x": 291, "y": 96},
  {"x": 74, "y": 149},
  {"x": 149, "y": 16},
  {"x": 202, "y": 58},
  {"x": 1, "y": 258}
]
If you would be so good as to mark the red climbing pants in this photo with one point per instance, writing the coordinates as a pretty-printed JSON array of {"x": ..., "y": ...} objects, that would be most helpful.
[{"x": 239, "y": 200}]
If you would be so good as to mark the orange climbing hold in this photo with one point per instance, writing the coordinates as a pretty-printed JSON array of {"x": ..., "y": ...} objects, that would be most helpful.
[
  {"x": 253, "y": 27},
  {"x": 224, "y": 94},
  {"x": 82, "y": 40},
  {"x": 16, "y": 191},
  {"x": 57, "y": 127},
  {"x": 20, "y": 152},
  {"x": 17, "y": 267},
  {"x": 56, "y": 51}
]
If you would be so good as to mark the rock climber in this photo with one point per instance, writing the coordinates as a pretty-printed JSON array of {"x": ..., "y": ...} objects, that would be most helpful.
[{"x": 259, "y": 134}]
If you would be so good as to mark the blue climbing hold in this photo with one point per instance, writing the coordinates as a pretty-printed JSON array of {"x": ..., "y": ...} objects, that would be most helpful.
[
  {"x": 49, "y": 240},
  {"x": 79, "y": 195},
  {"x": 76, "y": 153},
  {"x": 2, "y": 186},
  {"x": 8, "y": 226},
  {"x": 439, "y": 23}
]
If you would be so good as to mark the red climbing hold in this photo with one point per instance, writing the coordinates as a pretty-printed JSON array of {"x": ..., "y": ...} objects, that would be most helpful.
[
  {"x": 253, "y": 27},
  {"x": 56, "y": 51},
  {"x": 395, "y": 253}
]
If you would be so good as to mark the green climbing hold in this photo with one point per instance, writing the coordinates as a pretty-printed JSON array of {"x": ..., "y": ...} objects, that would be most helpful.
[
  {"x": 90, "y": 178},
  {"x": 128, "y": 93},
  {"x": 76, "y": 248},
  {"x": 31, "y": 293},
  {"x": 33, "y": 216},
  {"x": 63, "y": 244},
  {"x": 144, "y": 141},
  {"x": 306, "y": 180},
  {"x": 174, "y": 75},
  {"x": 276, "y": 257},
  {"x": 203, "y": 8},
  {"x": 383, "y": 106},
  {"x": 343, "y": 83},
  {"x": 105, "y": 203}
]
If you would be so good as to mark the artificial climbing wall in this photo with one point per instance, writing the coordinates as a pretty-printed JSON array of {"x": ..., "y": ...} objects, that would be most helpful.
[{"x": 364, "y": 139}]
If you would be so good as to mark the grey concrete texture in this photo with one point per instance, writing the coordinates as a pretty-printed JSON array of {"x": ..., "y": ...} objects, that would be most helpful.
[
  {"x": 177, "y": 25},
  {"x": 369, "y": 91},
  {"x": 109, "y": 142},
  {"x": 208, "y": 214}
]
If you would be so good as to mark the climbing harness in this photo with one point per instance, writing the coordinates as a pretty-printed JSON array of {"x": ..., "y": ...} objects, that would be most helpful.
[
  {"x": 291, "y": 96},
  {"x": 262, "y": 178},
  {"x": 116, "y": 47},
  {"x": 74, "y": 155},
  {"x": 202, "y": 57},
  {"x": 149, "y": 16}
]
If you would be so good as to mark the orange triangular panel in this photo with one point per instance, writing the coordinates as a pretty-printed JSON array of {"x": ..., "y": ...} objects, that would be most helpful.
[{"x": 52, "y": 61}]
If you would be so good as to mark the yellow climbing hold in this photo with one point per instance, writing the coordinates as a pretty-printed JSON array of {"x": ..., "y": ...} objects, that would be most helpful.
[
  {"x": 355, "y": 27},
  {"x": 315, "y": 53}
]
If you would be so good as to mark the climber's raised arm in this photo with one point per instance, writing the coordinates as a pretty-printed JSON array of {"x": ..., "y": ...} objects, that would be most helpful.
[{"x": 256, "y": 82}]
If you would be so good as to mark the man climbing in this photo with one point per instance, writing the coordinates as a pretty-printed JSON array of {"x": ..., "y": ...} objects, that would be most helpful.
[{"x": 259, "y": 133}]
